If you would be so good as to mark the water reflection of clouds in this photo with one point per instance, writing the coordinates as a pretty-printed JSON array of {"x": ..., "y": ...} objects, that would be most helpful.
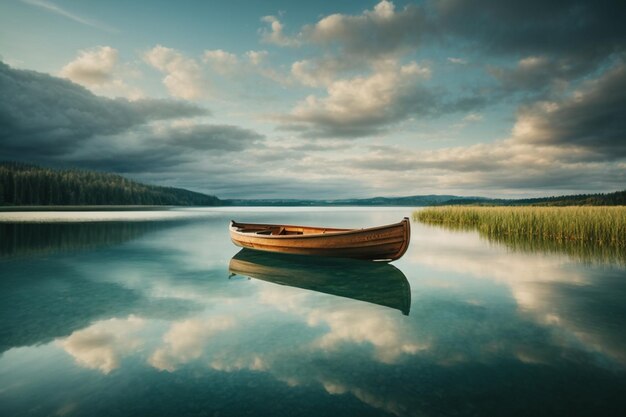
[
  {"x": 102, "y": 345},
  {"x": 187, "y": 340},
  {"x": 334, "y": 331},
  {"x": 369, "y": 340},
  {"x": 551, "y": 290},
  {"x": 337, "y": 327},
  {"x": 474, "y": 305},
  {"x": 349, "y": 322}
]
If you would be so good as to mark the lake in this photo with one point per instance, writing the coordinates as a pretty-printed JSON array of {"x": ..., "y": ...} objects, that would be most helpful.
[{"x": 158, "y": 313}]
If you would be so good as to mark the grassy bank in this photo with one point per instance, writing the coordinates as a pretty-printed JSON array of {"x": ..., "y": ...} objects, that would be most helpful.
[{"x": 582, "y": 225}]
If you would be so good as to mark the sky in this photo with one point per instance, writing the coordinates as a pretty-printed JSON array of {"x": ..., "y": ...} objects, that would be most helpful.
[{"x": 342, "y": 99}]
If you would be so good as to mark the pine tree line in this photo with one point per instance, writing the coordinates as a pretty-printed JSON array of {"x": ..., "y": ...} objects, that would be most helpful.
[
  {"x": 617, "y": 198},
  {"x": 24, "y": 184}
]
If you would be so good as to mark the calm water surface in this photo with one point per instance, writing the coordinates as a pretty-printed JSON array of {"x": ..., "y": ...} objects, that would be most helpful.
[{"x": 126, "y": 314}]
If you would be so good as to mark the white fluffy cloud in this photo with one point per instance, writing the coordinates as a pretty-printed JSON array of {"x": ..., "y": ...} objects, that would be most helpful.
[
  {"x": 378, "y": 32},
  {"x": 228, "y": 64},
  {"x": 275, "y": 33},
  {"x": 321, "y": 71},
  {"x": 92, "y": 66},
  {"x": 553, "y": 144},
  {"x": 362, "y": 105},
  {"x": 222, "y": 62},
  {"x": 99, "y": 70},
  {"x": 184, "y": 77}
]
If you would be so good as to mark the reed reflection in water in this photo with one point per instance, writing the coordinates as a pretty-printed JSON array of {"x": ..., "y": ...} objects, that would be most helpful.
[
  {"x": 583, "y": 251},
  {"x": 372, "y": 282}
]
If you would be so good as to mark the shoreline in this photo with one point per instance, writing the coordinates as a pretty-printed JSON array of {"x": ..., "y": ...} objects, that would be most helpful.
[{"x": 9, "y": 209}]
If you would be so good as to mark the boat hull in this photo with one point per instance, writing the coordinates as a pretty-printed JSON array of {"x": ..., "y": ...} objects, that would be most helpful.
[
  {"x": 373, "y": 282},
  {"x": 383, "y": 243}
]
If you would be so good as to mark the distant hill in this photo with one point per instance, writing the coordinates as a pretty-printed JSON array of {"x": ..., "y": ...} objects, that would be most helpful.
[
  {"x": 411, "y": 201},
  {"x": 24, "y": 184},
  {"x": 611, "y": 199}
]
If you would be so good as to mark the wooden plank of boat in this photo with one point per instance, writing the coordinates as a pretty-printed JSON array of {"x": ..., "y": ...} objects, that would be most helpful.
[
  {"x": 372, "y": 282},
  {"x": 383, "y": 243}
]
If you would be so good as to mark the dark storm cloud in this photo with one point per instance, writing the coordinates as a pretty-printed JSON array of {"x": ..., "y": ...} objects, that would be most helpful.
[
  {"x": 153, "y": 159},
  {"x": 560, "y": 40},
  {"x": 163, "y": 149},
  {"x": 45, "y": 119},
  {"x": 534, "y": 47},
  {"x": 536, "y": 73},
  {"x": 378, "y": 32},
  {"x": 571, "y": 27},
  {"x": 592, "y": 118},
  {"x": 578, "y": 30},
  {"x": 210, "y": 137},
  {"x": 50, "y": 116}
]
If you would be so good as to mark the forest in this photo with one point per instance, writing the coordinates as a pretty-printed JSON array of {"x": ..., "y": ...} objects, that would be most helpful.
[{"x": 25, "y": 184}]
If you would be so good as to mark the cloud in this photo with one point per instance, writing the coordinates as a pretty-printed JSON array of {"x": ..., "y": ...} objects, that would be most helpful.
[
  {"x": 50, "y": 120},
  {"x": 574, "y": 143},
  {"x": 275, "y": 33},
  {"x": 221, "y": 61},
  {"x": 457, "y": 61},
  {"x": 232, "y": 66},
  {"x": 540, "y": 72},
  {"x": 362, "y": 106},
  {"x": 44, "y": 115},
  {"x": 379, "y": 32},
  {"x": 184, "y": 77},
  {"x": 321, "y": 71},
  {"x": 557, "y": 42},
  {"x": 489, "y": 28},
  {"x": 534, "y": 27},
  {"x": 166, "y": 148},
  {"x": 98, "y": 69},
  {"x": 257, "y": 58},
  {"x": 592, "y": 118},
  {"x": 353, "y": 43},
  {"x": 473, "y": 117},
  {"x": 92, "y": 66},
  {"x": 203, "y": 137}
]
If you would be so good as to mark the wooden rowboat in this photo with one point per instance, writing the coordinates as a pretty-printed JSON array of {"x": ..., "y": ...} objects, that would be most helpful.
[
  {"x": 382, "y": 243},
  {"x": 373, "y": 282}
]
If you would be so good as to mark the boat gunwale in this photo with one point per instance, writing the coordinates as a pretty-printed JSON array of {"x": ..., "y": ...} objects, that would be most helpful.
[{"x": 340, "y": 232}]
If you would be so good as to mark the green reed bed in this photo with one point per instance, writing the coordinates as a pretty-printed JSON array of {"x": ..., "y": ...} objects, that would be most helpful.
[{"x": 582, "y": 225}]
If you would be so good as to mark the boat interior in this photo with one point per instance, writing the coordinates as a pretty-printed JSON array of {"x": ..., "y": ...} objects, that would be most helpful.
[{"x": 281, "y": 230}]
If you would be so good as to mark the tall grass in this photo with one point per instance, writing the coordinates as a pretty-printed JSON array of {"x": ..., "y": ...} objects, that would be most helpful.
[
  {"x": 581, "y": 225},
  {"x": 590, "y": 234}
]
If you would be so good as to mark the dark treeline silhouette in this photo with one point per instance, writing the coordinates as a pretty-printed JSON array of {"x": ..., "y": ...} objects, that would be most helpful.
[
  {"x": 25, "y": 184},
  {"x": 610, "y": 199}
]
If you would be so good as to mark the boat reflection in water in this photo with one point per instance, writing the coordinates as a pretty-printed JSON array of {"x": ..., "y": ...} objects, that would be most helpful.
[{"x": 372, "y": 282}]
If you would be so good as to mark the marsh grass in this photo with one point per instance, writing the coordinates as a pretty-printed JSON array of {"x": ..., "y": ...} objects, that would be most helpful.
[{"x": 587, "y": 233}]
